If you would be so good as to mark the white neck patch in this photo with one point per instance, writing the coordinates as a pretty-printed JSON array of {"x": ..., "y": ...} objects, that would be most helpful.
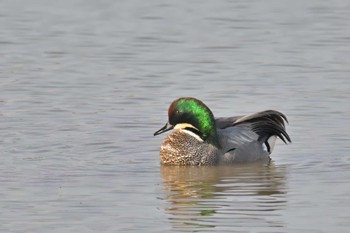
[{"x": 183, "y": 127}]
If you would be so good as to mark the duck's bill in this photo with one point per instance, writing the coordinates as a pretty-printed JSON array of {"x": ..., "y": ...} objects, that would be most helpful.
[{"x": 165, "y": 128}]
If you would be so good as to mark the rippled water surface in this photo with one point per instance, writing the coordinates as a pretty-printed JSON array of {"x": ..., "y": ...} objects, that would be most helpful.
[{"x": 84, "y": 84}]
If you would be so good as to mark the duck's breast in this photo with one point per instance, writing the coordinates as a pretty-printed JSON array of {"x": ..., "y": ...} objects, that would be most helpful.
[{"x": 181, "y": 148}]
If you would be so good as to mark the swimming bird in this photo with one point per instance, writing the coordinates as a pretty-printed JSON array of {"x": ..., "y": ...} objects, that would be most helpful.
[{"x": 200, "y": 139}]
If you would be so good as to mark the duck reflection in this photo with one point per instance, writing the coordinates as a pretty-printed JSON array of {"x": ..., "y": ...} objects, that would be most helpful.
[{"x": 225, "y": 196}]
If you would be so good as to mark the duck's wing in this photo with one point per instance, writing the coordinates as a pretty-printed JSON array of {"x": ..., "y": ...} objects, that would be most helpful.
[{"x": 264, "y": 124}]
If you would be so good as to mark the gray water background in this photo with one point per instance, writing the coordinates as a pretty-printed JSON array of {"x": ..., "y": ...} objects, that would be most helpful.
[{"x": 84, "y": 84}]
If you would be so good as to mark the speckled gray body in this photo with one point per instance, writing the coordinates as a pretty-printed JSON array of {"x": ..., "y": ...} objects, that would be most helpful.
[{"x": 180, "y": 148}]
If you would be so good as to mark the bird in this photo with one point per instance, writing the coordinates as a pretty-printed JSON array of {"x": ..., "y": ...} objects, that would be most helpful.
[{"x": 200, "y": 139}]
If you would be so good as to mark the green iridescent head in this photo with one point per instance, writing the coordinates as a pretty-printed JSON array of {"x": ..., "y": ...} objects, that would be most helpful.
[{"x": 192, "y": 114}]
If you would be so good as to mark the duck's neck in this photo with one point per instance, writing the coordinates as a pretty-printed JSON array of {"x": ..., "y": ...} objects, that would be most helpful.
[
  {"x": 208, "y": 128},
  {"x": 212, "y": 136}
]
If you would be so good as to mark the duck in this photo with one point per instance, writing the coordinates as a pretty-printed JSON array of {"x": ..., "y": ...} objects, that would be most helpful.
[{"x": 200, "y": 139}]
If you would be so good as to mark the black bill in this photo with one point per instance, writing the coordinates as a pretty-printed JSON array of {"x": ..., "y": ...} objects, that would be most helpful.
[{"x": 165, "y": 128}]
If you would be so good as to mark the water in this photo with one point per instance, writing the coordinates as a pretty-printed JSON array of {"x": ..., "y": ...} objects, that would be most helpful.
[{"x": 84, "y": 84}]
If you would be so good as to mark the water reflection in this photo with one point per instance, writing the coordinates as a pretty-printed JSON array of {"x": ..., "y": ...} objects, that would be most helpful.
[{"x": 201, "y": 198}]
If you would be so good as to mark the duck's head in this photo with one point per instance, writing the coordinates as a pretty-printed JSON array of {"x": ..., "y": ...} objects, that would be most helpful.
[{"x": 192, "y": 115}]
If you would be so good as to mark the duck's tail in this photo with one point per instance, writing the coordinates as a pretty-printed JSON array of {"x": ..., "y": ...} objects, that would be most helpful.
[{"x": 268, "y": 125}]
